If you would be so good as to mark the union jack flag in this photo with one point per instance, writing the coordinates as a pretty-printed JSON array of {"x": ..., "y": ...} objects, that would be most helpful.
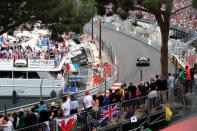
[{"x": 108, "y": 113}]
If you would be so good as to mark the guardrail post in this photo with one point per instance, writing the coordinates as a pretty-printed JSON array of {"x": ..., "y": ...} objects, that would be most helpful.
[
  {"x": 121, "y": 115},
  {"x": 41, "y": 89},
  {"x": 105, "y": 85},
  {"x": 100, "y": 40},
  {"x": 148, "y": 112},
  {"x": 141, "y": 74},
  {"x": 5, "y": 109},
  {"x": 92, "y": 29},
  {"x": 61, "y": 93}
]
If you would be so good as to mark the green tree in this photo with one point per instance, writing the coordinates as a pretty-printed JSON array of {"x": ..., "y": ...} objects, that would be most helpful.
[
  {"x": 161, "y": 9},
  {"x": 60, "y": 15}
]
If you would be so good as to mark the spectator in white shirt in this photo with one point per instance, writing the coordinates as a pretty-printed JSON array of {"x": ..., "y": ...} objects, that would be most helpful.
[
  {"x": 87, "y": 101},
  {"x": 59, "y": 76},
  {"x": 7, "y": 125},
  {"x": 66, "y": 104},
  {"x": 170, "y": 82},
  {"x": 73, "y": 105},
  {"x": 195, "y": 78}
]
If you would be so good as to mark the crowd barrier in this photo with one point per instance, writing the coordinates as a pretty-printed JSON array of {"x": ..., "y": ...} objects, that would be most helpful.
[{"x": 118, "y": 114}]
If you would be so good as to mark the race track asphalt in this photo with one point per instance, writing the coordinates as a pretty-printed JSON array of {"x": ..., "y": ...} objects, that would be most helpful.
[{"x": 128, "y": 50}]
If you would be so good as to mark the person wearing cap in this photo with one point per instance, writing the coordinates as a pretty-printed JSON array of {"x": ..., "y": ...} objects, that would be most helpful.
[
  {"x": 87, "y": 101},
  {"x": 66, "y": 104}
]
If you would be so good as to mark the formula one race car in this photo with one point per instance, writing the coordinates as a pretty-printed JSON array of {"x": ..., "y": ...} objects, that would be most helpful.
[{"x": 143, "y": 61}]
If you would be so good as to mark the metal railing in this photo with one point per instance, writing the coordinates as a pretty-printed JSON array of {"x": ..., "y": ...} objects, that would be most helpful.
[
  {"x": 44, "y": 126},
  {"x": 116, "y": 115}
]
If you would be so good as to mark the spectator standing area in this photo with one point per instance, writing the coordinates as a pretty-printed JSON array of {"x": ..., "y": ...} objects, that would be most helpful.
[{"x": 99, "y": 112}]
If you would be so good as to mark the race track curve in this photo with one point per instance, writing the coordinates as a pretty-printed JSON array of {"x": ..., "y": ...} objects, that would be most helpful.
[{"x": 128, "y": 50}]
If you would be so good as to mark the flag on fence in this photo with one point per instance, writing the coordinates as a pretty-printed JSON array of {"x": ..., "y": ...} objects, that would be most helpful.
[
  {"x": 67, "y": 124},
  {"x": 108, "y": 113},
  {"x": 46, "y": 123},
  {"x": 3, "y": 41},
  {"x": 68, "y": 37}
]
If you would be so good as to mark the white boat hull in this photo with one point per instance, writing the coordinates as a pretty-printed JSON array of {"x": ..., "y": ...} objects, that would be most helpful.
[{"x": 30, "y": 87}]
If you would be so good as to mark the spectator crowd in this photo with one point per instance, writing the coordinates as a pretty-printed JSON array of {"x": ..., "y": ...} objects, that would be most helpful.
[
  {"x": 146, "y": 95},
  {"x": 185, "y": 18},
  {"x": 47, "y": 51}
]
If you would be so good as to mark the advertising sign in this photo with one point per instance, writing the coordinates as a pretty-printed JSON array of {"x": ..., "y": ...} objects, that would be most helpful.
[
  {"x": 6, "y": 63},
  {"x": 41, "y": 63}
]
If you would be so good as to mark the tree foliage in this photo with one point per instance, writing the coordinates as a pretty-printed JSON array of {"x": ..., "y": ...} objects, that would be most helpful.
[
  {"x": 60, "y": 15},
  {"x": 194, "y": 4},
  {"x": 153, "y": 5}
]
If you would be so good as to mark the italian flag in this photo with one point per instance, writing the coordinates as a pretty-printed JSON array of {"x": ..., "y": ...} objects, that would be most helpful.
[{"x": 67, "y": 124}]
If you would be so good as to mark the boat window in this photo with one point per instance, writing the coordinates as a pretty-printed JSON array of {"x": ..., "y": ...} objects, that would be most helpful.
[
  {"x": 20, "y": 74},
  {"x": 33, "y": 75},
  {"x": 5, "y": 74}
]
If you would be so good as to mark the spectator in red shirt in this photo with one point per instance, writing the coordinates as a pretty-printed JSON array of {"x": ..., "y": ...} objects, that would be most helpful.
[{"x": 188, "y": 83}]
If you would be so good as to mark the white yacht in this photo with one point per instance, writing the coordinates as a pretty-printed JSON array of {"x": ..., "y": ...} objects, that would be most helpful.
[
  {"x": 31, "y": 77},
  {"x": 40, "y": 77},
  {"x": 35, "y": 77}
]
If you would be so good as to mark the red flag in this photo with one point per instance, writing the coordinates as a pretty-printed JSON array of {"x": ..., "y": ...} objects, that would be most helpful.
[
  {"x": 68, "y": 37},
  {"x": 68, "y": 69},
  {"x": 63, "y": 43},
  {"x": 4, "y": 41},
  {"x": 85, "y": 36},
  {"x": 67, "y": 124}
]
